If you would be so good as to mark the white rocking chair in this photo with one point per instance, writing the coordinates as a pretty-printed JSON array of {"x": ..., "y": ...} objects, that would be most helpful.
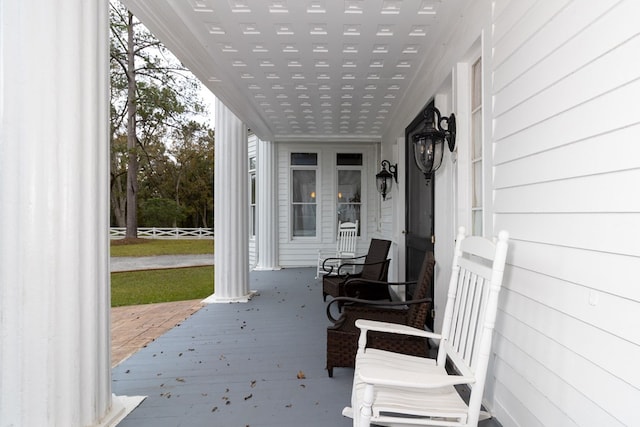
[
  {"x": 391, "y": 389},
  {"x": 345, "y": 248}
]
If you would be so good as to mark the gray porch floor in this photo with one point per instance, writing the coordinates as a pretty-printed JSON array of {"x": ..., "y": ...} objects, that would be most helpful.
[{"x": 238, "y": 364}]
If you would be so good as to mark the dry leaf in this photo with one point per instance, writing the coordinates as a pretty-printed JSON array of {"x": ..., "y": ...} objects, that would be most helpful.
[{"x": 301, "y": 375}]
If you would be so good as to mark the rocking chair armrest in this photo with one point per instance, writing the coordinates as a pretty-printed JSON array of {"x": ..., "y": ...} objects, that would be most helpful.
[
  {"x": 375, "y": 374},
  {"x": 370, "y": 303},
  {"x": 351, "y": 258},
  {"x": 359, "y": 281},
  {"x": 393, "y": 328},
  {"x": 335, "y": 263}
]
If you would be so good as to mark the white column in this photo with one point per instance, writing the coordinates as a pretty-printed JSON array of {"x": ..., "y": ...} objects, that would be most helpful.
[
  {"x": 55, "y": 362},
  {"x": 231, "y": 208},
  {"x": 267, "y": 207}
]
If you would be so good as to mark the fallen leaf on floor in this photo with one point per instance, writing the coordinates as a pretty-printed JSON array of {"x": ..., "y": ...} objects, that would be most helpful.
[
  {"x": 248, "y": 397},
  {"x": 253, "y": 383},
  {"x": 180, "y": 380},
  {"x": 289, "y": 405},
  {"x": 301, "y": 375},
  {"x": 214, "y": 409}
]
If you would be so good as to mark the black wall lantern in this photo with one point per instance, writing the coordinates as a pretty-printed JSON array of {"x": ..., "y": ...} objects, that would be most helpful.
[
  {"x": 428, "y": 144},
  {"x": 384, "y": 178}
]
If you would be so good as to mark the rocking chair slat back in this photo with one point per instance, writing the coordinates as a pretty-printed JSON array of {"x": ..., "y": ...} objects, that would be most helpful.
[
  {"x": 346, "y": 246},
  {"x": 395, "y": 389},
  {"x": 347, "y": 239}
]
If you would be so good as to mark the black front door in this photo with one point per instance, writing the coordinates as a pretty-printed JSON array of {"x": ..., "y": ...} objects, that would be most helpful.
[{"x": 419, "y": 211}]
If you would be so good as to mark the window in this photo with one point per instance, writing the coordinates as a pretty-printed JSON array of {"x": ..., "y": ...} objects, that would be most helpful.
[
  {"x": 349, "y": 200},
  {"x": 252, "y": 197},
  {"x": 476, "y": 148},
  {"x": 303, "y": 194}
]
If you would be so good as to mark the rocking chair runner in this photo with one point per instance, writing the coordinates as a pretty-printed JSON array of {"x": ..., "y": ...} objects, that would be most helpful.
[
  {"x": 396, "y": 389},
  {"x": 342, "y": 337},
  {"x": 345, "y": 248},
  {"x": 375, "y": 267}
]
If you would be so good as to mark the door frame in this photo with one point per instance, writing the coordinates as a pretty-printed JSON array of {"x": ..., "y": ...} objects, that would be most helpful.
[{"x": 410, "y": 241}]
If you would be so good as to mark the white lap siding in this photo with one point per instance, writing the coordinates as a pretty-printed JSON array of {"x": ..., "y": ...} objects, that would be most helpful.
[{"x": 566, "y": 84}]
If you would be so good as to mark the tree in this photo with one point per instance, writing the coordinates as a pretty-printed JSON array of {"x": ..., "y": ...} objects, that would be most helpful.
[
  {"x": 193, "y": 152},
  {"x": 152, "y": 96}
]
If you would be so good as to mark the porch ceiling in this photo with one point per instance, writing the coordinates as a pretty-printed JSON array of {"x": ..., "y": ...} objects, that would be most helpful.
[{"x": 302, "y": 69}]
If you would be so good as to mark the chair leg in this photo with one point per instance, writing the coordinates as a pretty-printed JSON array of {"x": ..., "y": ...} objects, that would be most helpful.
[
  {"x": 330, "y": 371},
  {"x": 365, "y": 407}
]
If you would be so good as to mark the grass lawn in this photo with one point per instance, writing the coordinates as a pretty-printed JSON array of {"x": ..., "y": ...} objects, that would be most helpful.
[
  {"x": 151, "y": 286},
  {"x": 152, "y": 247}
]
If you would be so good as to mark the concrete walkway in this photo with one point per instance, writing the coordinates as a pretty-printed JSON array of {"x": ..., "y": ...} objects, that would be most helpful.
[{"x": 119, "y": 264}]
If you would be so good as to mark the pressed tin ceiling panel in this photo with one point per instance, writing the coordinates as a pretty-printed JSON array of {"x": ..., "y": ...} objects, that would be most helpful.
[{"x": 301, "y": 69}]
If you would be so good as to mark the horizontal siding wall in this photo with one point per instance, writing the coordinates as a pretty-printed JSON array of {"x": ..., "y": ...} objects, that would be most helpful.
[
  {"x": 566, "y": 174},
  {"x": 303, "y": 251}
]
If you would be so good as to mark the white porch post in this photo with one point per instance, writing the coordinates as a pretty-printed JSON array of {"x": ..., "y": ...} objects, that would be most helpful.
[
  {"x": 267, "y": 207},
  {"x": 55, "y": 361},
  {"x": 231, "y": 208}
]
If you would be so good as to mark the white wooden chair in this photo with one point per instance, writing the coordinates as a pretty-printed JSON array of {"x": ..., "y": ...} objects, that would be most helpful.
[
  {"x": 345, "y": 248},
  {"x": 391, "y": 389}
]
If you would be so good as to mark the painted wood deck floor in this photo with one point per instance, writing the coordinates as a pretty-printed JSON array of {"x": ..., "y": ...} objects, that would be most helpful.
[{"x": 238, "y": 365}]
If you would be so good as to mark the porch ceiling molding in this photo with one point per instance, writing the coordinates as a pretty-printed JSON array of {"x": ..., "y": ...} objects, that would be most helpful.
[{"x": 304, "y": 70}]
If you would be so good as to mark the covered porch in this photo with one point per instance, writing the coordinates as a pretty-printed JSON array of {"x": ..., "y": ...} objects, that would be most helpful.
[{"x": 255, "y": 364}]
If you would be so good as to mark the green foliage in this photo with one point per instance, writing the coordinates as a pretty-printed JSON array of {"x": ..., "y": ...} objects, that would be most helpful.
[
  {"x": 153, "y": 247},
  {"x": 158, "y": 212},
  {"x": 146, "y": 287}
]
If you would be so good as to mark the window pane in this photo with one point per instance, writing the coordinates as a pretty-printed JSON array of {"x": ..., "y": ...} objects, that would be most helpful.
[
  {"x": 477, "y": 185},
  {"x": 252, "y": 223},
  {"x": 476, "y": 137},
  {"x": 476, "y": 95},
  {"x": 304, "y": 186},
  {"x": 304, "y": 220},
  {"x": 349, "y": 195},
  {"x": 349, "y": 184},
  {"x": 477, "y": 223},
  {"x": 349, "y": 159},
  {"x": 253, "y": 188},
  {"x": 304, "y": 159},
  {"x": 349, "y": 212}
]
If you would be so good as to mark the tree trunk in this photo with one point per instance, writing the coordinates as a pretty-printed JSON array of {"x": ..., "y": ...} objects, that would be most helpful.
[
  {"x": 132, "y": 169},
  {"x": 118, "y": 203}
]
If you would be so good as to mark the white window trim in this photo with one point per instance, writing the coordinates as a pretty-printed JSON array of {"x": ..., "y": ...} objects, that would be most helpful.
[
  {"x": 317, "y": 168},
  {"x": 464, "y": 179}
]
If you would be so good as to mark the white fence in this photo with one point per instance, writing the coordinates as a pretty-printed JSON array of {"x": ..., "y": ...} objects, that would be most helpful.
[{"x": 165, "y": 233}]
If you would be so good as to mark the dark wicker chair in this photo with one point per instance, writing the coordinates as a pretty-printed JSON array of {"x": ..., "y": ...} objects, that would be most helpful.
[
  {"x": 342, "y": 337},
  {"x": 374, "y": 267}
]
